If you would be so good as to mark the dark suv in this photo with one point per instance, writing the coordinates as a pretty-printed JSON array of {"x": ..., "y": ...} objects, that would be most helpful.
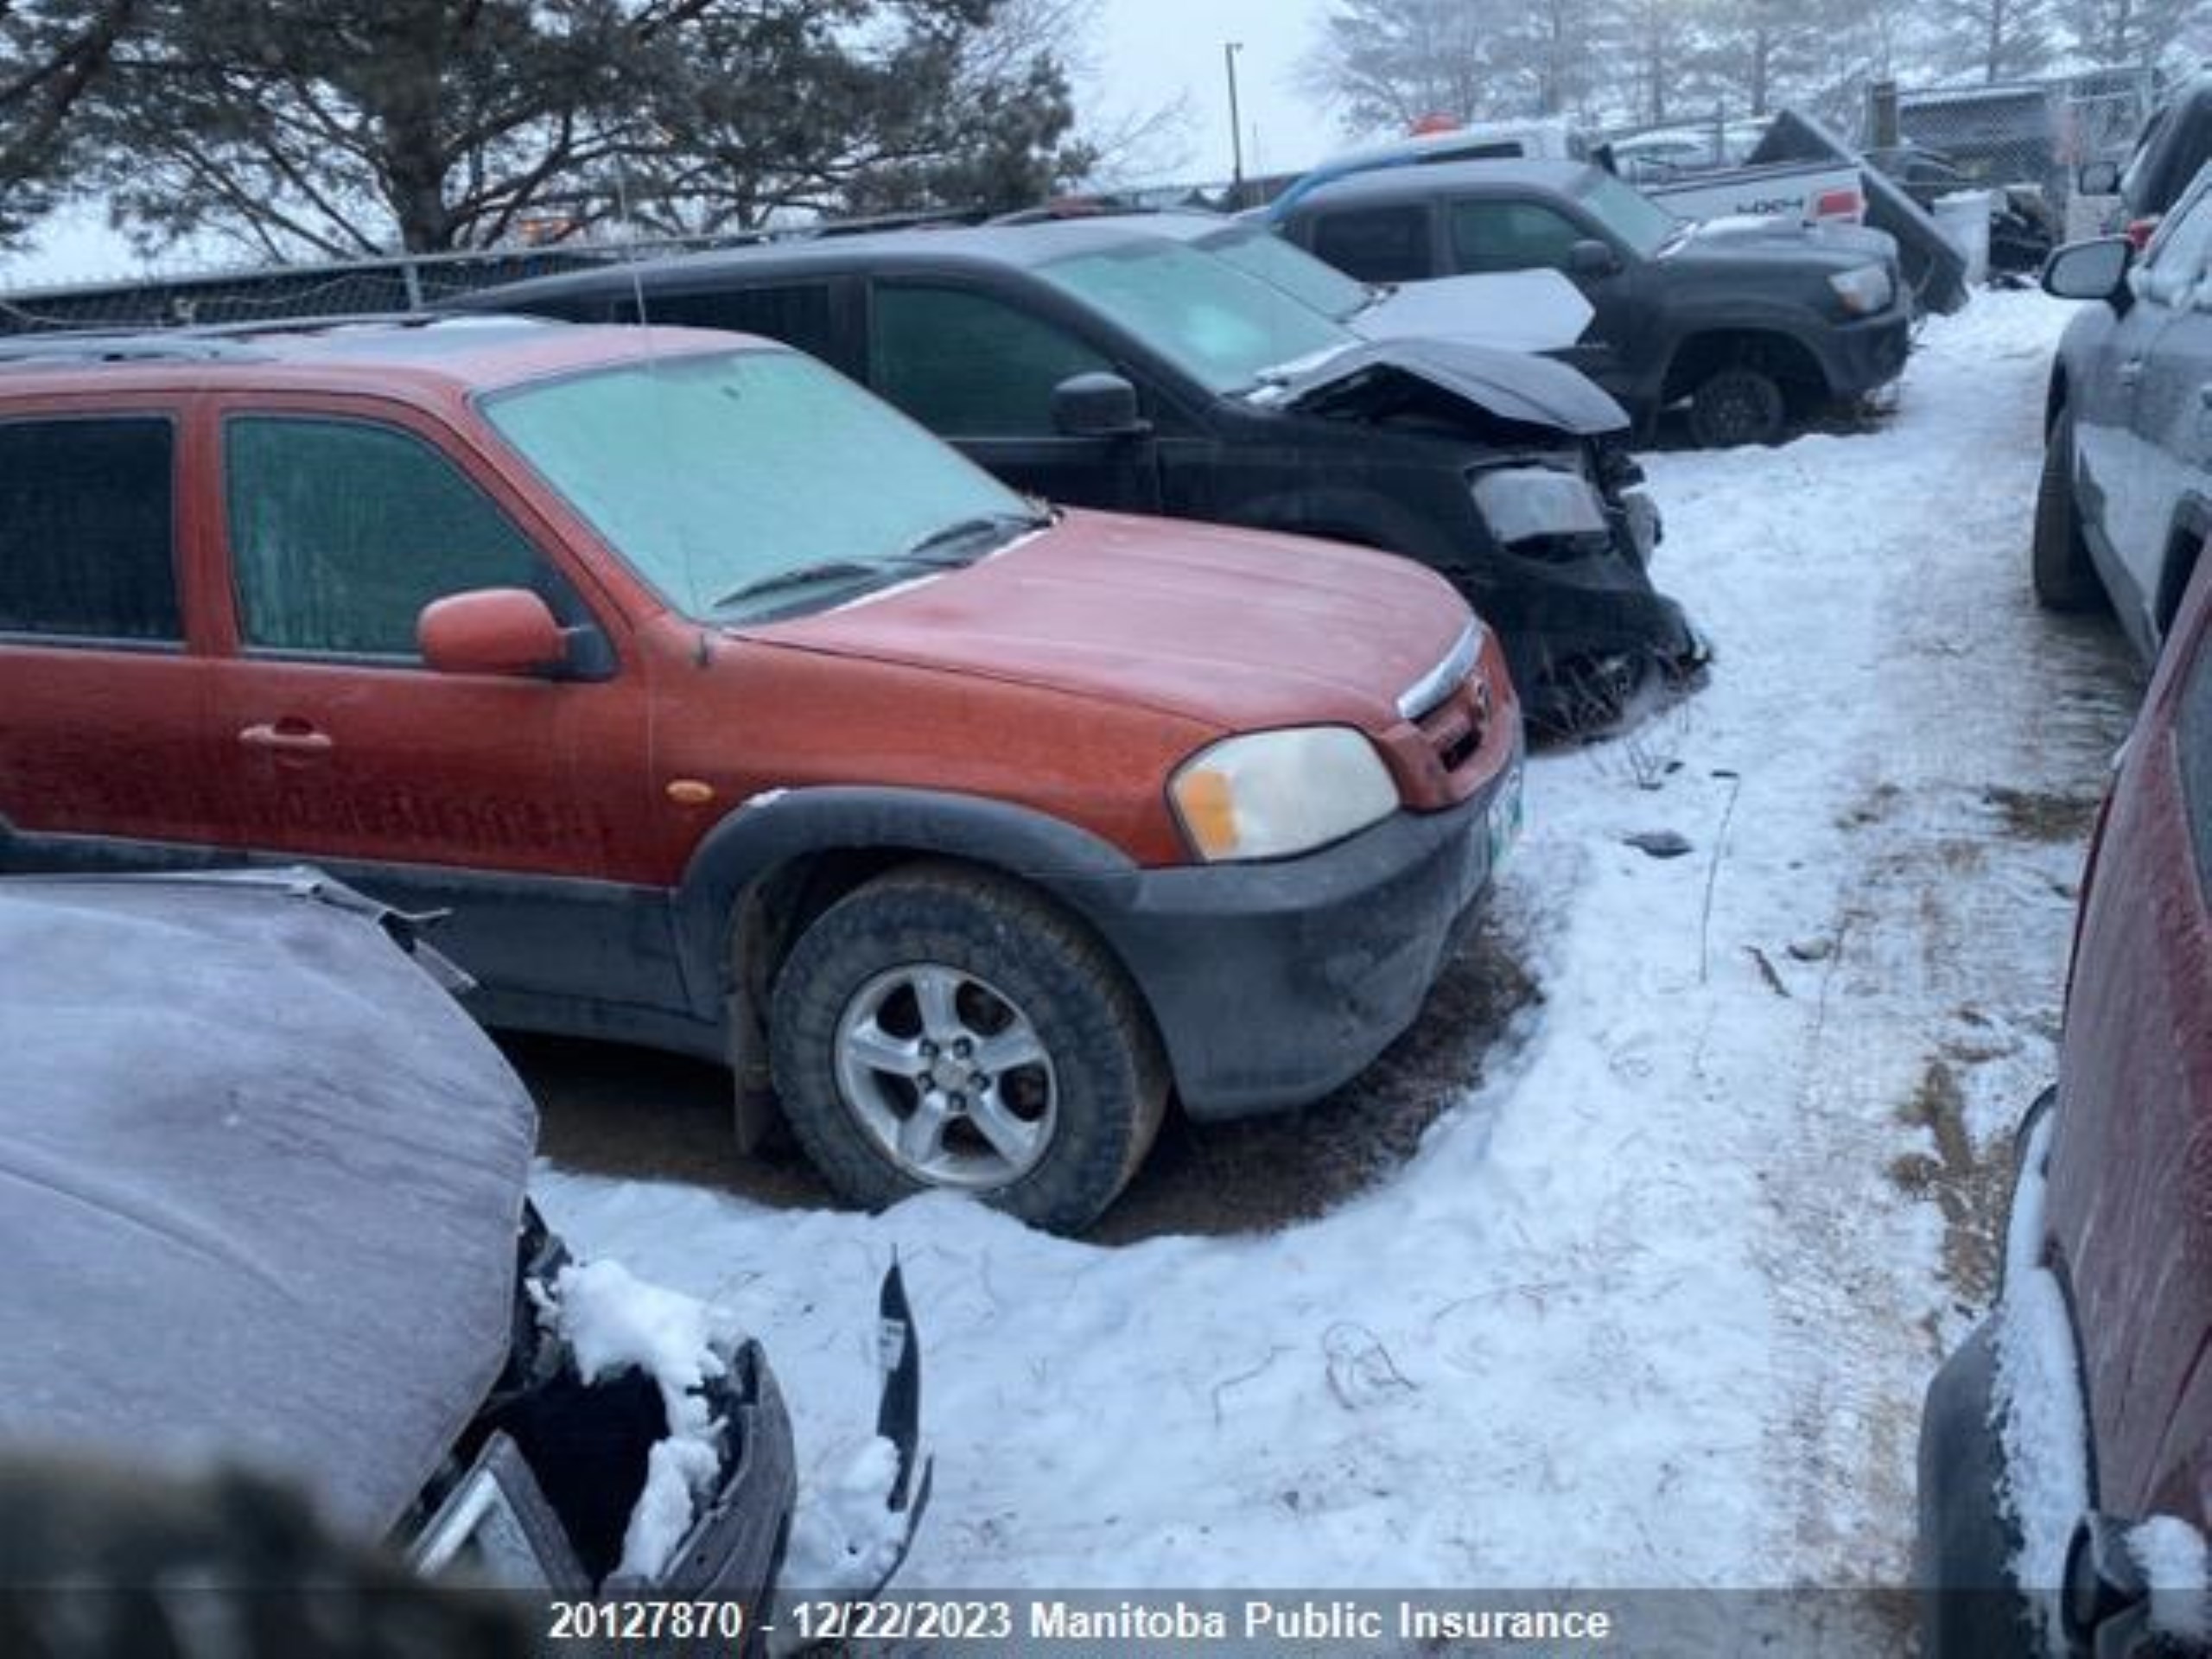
[
  {"x": 1753, "y": 325},
  {"x": 2066, "y": 1451},
  {"x": 1094, "y": 363}
]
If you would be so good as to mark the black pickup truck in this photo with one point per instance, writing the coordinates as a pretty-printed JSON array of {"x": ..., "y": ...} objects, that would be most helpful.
[{"x": 1755, "y": 324}]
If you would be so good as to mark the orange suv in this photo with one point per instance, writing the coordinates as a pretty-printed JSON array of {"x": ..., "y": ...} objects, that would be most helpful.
[{"x": 727, "y": 710}]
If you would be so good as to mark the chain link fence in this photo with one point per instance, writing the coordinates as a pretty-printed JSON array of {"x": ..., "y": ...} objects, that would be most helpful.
[
  {"x": 360, "y": 288},
  {"x": 2033, "y": 134}
]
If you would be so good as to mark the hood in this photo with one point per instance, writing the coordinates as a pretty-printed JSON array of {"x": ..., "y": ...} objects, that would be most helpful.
[
  {"x": 1784, "y": 249},
  {"x": 1229, "y": 628},
  {"x": 1512, "y": 386},
  {"x": 1510, "y": 310},
  {"x": 1863, "y": 241},
  {"x": 260, "y": 1179}
]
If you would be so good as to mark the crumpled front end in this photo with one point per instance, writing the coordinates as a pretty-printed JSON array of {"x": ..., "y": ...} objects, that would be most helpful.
[
  {"x": 1559, "y": 541},
  {"x": 637, "y": 1446},
  {"x": 1589, "y": 639}
]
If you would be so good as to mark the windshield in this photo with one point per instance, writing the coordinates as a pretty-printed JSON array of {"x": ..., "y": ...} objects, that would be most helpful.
[
  {"x": 1222, "y": 328},
  {"x": 1293, "y": 270},
  {"x": 728, "y": 482},
  {"x": 1630, "y": 215}
]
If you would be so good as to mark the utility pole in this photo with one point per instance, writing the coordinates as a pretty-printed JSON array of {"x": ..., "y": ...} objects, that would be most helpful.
[{"x": 1229, "y": 51}]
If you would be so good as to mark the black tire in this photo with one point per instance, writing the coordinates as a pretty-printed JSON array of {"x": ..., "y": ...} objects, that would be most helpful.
[
  {"x": 1108, "y": 1080},
  {"x": 2064, "y": 575},
  {"x": 1737, "y": 405}
]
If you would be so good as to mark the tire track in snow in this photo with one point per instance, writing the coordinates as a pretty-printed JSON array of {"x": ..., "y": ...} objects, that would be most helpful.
[{"x": 1942, "y": 917}]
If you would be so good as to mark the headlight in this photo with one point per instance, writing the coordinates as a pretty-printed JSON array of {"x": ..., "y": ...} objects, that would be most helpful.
[
  {"x": 1274, "y": 793},
  {"x": 1863, "y": 291},
  {"x": 1532, "y": 503}
]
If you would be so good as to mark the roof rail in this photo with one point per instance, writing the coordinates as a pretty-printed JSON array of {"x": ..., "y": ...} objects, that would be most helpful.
[
  {"x": 214, "y": 341},
  {"x": 110, "y": 346}
]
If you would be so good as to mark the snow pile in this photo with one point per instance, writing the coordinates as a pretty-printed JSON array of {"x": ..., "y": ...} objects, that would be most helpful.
[
  {"x": 2041, "y": 1420},
  {"x": 2177, "y": 1568},
  {"x": 1656, "y": 1303},
  {"x": 847, "y": 1539},
  {"x": 613, "y": 1322}
]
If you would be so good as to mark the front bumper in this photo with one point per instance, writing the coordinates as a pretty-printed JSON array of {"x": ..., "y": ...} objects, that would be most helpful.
[
  {"x": 1858, "y": 357},
  {"x": 1272, "y": 983},
  {"x": 1969, "y": 1606}
]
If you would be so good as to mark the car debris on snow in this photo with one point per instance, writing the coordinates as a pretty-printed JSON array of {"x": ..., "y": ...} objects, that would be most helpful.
[{"x": 1659, "y": 844}]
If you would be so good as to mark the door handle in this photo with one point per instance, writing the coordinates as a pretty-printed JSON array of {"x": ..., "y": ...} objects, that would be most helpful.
[
  {"x": 286, "y": 737},
  {"x": 2130, "y": 372}
]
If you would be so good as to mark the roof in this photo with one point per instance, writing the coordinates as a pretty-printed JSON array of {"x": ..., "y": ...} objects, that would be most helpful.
[
  {"x": 1420, "y": 144},
  {"x": 954, "y": 247},
  {"x": 369, "y": 354},
  {"x": 1395, "y": 184}
]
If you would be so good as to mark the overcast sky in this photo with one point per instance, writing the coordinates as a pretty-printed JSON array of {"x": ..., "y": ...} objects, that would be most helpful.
[
  {"x": 1146, "y": 55},
  {"x": 1151, "y": 52}
]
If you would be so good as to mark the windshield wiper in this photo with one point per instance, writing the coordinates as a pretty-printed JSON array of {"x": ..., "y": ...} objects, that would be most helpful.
[
  {"x": 998, "y": 524},
  {"x": 924, "y": 554},
  {"x": 806, "y": 575}
]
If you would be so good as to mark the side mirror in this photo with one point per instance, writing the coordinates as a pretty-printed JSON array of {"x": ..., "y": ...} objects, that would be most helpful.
[
  {"x": 1592, "y": 258},
  {"x": 2098, "y": 179},
  {"x": 504, "y": 631},
  {"x": 2089, "y": 270},
  {"x": 1096, "y": 405}
]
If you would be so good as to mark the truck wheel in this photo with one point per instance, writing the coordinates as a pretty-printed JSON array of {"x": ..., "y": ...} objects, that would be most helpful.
[
  {"x": 1737, "y": 405},
  {"x": 943, "y": 1027},
  {"x": 2065, "y": 579}
]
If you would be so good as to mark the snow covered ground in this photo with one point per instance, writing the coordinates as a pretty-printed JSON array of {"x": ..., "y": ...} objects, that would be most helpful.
[{"x": 1654, "y": 1304}]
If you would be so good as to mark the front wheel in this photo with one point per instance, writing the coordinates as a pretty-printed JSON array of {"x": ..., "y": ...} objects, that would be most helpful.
[
  {"x": 2064, "y": 575},
  {"x": 1736, "y": 406},
  {"x": 943, "y": 1027}
]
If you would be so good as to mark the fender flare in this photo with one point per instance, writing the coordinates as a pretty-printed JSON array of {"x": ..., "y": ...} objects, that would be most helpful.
[
  {"x": 1786, "y": 329},
  {"x": 2191, "y": 528},
  {"x": 769, "y": 831}
]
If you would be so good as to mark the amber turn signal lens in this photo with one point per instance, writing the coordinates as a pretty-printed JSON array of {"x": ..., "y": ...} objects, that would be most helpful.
[{"x": 1208, "y": 808}]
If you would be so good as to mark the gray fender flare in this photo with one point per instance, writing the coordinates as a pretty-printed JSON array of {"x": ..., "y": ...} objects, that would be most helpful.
[{"x": 769, "y": 831}]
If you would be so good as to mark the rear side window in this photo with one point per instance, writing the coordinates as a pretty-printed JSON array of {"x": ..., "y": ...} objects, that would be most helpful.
[
  {"x": 797, "y": 315},
  {"x": 2194, "y": 733},
  {"x": 968, "y": 366},
  {"x": 341, "y": 532},
  {"x": 1510, "y": 236},
  {"x": 1376, "y": 245},
  {"x": 87, "y": 529},
  {"x": 2176, "y": 261}
]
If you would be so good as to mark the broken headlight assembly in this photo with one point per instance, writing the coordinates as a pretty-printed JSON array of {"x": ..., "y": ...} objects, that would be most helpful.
[{"x": 1542, "y": 511}]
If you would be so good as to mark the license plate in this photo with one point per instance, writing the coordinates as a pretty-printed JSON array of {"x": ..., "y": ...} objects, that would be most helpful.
[{"x": 1504, "y": 823}]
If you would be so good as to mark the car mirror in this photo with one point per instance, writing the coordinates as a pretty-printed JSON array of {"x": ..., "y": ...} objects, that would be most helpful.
[
  {"x": 2095, "y": 270},
  {"x": 1096, "y": 405},
  {"x": 504, "y": 631},
  {"x": 2098, "y": 179},
  {"x": 1591, "y": 257}
]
